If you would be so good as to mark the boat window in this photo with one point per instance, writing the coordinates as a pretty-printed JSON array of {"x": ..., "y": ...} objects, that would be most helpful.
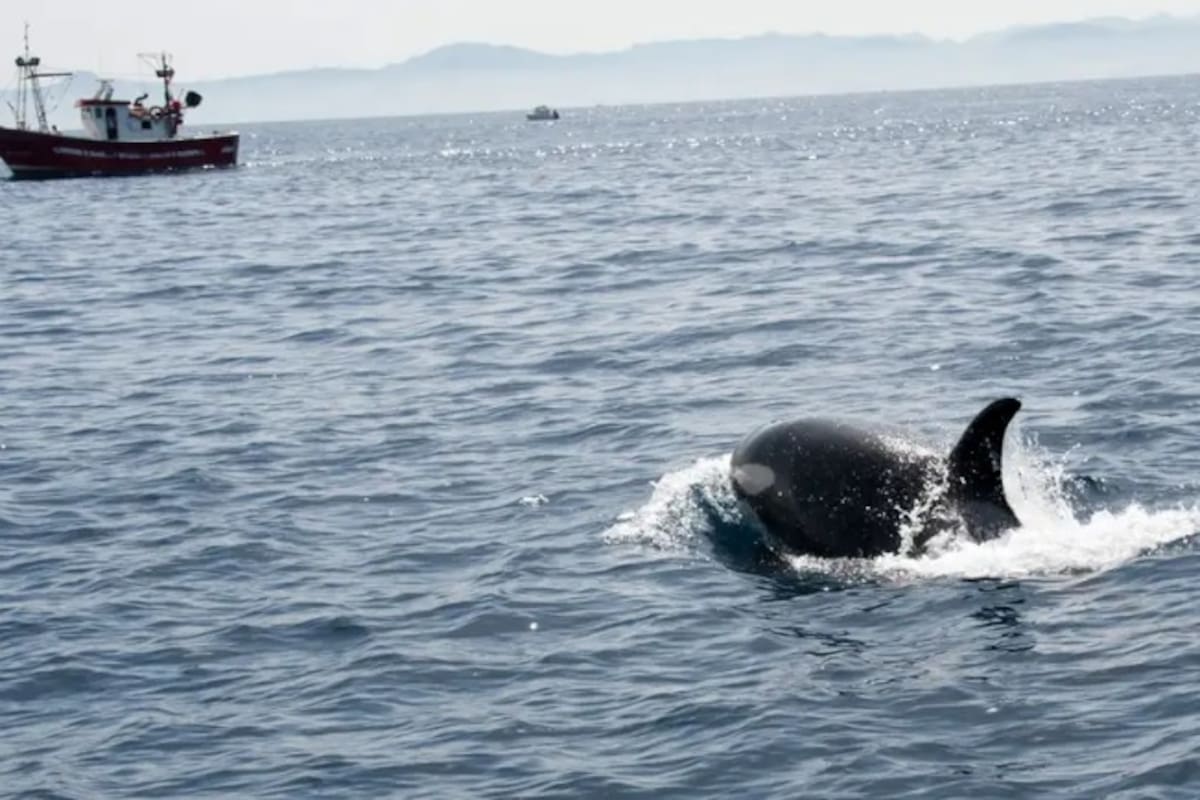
[
  {"x": 97, "y": 112},
  {"x": 146, "y": 125}
]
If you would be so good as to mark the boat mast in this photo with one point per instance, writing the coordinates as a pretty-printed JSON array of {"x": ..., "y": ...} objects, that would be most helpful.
[
  {"x": 164, "y": 71},
  {"x": 29, "y": 86}
]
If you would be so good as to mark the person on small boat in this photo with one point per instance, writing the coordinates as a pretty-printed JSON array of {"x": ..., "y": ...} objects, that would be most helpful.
[{"x": 136, "y": 109}]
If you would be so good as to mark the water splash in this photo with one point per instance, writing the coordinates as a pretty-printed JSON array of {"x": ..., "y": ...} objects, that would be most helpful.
[
  {"x": 683, "y": 506},
  {"x": 1055, "y": 537},
  {"x": 697, "y": 503}
]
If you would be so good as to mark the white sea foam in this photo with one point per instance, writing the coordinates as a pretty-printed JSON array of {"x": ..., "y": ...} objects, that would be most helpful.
[
  {"x": 1053, "y": 540},
  {"x": 676, "y": 512}
]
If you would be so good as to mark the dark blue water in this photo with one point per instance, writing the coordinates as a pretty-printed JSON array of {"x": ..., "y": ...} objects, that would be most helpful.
[{"x": 392, "y": 463}]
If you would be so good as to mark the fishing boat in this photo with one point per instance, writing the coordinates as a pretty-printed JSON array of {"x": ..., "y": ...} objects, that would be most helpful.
[
  {"x": 542, "y": 114},
  {"x": 119, "y": 137}
]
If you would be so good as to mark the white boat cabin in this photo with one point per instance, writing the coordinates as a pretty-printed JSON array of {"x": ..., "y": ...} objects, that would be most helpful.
[{"x": 122, "y": 121}]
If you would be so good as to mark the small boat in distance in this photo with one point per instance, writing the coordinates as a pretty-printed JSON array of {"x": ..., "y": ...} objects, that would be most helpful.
[
  {"x": 542, "y": 114},
  {"x": 119, "y": 137}
]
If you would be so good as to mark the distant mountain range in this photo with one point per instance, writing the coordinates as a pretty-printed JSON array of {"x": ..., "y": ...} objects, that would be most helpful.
[{"x": 485, "y": 77}]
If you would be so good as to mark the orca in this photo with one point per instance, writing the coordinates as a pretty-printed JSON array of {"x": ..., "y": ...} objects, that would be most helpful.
[{"x": 829, "y": 489}]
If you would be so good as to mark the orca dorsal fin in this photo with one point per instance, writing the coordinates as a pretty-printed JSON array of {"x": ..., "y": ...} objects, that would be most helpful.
[{"x": 976, "y": 463}]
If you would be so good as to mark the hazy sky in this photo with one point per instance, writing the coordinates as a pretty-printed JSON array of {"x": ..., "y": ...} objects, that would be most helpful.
[{"x": 218, "y": 38}]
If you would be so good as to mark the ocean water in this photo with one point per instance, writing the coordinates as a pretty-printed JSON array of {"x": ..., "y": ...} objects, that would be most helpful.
[{"x": 393, "y": 462}]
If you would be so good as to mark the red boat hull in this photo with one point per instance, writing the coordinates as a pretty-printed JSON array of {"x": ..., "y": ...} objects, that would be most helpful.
[{"x": 31, "y": 155}]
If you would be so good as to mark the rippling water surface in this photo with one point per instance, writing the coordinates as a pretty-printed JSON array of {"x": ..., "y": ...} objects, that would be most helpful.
[{"x": 393, "y": 463}]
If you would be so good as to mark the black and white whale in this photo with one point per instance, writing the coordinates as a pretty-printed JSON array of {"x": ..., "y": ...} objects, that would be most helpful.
[{"x": 828, "y": 489}]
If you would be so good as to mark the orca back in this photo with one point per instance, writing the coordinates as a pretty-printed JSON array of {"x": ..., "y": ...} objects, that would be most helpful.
[{"x": 829, "y": 489}]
